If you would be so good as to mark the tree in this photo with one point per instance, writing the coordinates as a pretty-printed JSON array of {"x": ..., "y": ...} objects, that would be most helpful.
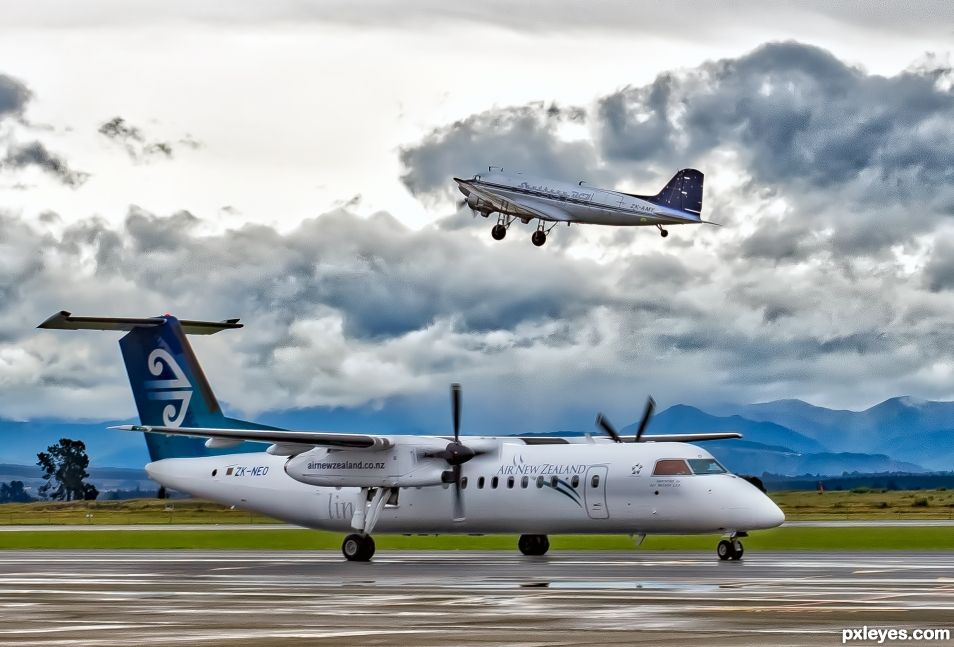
[
  {"x": 14, "y": 492},
  {"x": 64, "y": 470}
]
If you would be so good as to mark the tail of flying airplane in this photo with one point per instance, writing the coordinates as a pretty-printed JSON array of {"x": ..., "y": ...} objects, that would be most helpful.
[
  {"x": 167, "y": 382},
  {"x": 683, "y": 192}
]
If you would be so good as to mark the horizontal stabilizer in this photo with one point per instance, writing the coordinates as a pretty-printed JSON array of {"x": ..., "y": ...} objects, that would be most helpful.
[{"x": 64, "y": 320}]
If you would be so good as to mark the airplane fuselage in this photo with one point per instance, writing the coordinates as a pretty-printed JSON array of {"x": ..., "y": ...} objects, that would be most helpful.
[
  {"x": 588, "y": 487},
  {"x": 574, "y": 203}
]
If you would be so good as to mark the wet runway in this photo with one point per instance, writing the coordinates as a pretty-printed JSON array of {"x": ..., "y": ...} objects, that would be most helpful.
[{"x": 465, "y": 598}]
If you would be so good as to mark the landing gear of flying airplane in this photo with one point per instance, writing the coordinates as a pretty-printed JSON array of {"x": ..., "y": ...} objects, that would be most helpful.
[
  {"x": 357, "y": 548},
  {"x": 730, "y": 549},
  {"x": 539, "y": 237},
  {"x": 498, "y": 232},
  {"x": 533, "y": 544},
  {"x": 662, "y": 232}
]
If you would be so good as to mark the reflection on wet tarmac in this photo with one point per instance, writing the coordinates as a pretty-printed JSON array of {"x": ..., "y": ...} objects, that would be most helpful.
[{"x": 460, "y": 598}]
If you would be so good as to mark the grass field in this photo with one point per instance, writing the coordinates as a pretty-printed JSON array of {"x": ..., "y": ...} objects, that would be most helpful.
[{"x": 788, "y": 539}]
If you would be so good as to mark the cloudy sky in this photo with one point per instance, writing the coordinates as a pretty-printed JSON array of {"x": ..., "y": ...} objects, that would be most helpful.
[{"x": 290, "y": 163}]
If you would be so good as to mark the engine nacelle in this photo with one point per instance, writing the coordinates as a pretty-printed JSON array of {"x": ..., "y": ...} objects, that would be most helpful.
[
  {"x": 476, "y": 204},
  {"x": 399, "y": 466}
]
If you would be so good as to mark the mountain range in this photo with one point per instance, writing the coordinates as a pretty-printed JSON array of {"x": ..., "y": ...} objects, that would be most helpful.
[{"x": 789, "y": 437}]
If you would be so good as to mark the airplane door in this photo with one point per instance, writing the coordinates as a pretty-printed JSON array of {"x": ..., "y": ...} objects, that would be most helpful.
[{"x": 594, "y": 492}]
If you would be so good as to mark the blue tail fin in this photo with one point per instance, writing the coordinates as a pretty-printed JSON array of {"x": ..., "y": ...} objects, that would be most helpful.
[
  {"x": 683, "y": 192},
  {"x": 167, "y": 382}
]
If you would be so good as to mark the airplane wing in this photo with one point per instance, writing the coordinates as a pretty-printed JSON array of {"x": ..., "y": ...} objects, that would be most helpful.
[
  {"x": 524, "y": 207},
  {"x": 276, "y": 436},
  {"x": 686, "y": 438}
]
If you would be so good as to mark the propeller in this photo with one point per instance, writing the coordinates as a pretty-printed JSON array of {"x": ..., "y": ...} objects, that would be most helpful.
[
  {"x": 603, "y": 423},
  {"x": 647, "y": 415},
  {"x": 456, "y": 454}
]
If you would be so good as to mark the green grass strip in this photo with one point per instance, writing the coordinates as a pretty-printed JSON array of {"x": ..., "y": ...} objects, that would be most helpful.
[{"x": 794, "y": 539}]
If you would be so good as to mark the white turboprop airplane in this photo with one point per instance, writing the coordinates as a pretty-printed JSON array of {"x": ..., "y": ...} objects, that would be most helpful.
[
  {"x": 360, "y": 483},
  {"x": 525, "y": 198}
]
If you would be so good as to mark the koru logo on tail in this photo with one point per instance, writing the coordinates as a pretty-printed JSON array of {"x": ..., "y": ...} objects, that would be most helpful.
[{"x": 178, "y": 389}]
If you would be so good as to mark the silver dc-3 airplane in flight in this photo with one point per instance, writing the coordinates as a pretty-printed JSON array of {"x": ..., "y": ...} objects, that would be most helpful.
[
  {"x": 359, "y": 484},
  {"x": 517, "y": 196}
]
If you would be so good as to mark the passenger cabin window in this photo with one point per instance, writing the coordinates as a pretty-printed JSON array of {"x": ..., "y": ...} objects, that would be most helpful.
[
  {"x": 525, "y": 481},
  {"x": 575, "y": 481},
  {"x": 671, "y": 467},
  {"x": 554, "y": 481},
  {"x": 706, "y": 466},
  {"x": 493, "y": 482},
  {"x": 510, "y": 483},
  {"x": 539, "y": 481},
  {"x": 480, "y": 482},
  {"x": 595, "y": 481},
  {"x": 463, "y": 483}
]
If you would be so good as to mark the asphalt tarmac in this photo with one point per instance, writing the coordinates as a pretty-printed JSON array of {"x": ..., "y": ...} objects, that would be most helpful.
[{"x": 466, "y": 598}]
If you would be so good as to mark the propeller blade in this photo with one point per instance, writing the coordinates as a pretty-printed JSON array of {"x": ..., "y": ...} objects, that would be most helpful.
[
  {"x": 647, "y": 414},
  {"x": 455, "y": 410},
  {"x": 603, "y": 423},
  {"x": 458, "y": 496}
]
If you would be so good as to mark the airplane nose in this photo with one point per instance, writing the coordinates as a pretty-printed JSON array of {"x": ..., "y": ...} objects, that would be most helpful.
[
  {"x": 751, "y": 509},
  {"x": 770, "y": 515}
]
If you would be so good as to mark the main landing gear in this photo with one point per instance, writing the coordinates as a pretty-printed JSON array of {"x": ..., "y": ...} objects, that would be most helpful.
[
  {"x": 358, "y": 548},
  {"x": 539, "y": 237},
  {"x": 730, "y": 549},
  {"x": 500, "y": 229},
  {"x": 533, "y": 544}
]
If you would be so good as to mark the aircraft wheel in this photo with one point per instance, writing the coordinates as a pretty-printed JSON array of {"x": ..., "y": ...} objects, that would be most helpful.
[
  {"x": 724, "y": 550},
  {"x": 498, "y": 232},
  {"x": 357, "y": 548},
  {"x": 737, "y": 550},
  {"x": 538, "y": 238},
  {"x": 663, "y": 233},
  {"x": 533, "y": 544}
]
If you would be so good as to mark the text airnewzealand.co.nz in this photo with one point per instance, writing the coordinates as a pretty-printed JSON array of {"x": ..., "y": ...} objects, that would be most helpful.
[{"x": 347, "y": 465}]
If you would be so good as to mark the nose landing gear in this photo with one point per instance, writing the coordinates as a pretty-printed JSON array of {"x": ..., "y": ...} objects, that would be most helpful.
[{"x": 730, "y": 549}]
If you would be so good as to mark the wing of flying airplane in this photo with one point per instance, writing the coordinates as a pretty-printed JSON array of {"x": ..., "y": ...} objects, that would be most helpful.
[{"x": 522, "y": 207}]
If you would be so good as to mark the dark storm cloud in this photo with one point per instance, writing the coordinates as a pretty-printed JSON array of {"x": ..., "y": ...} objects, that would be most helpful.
[
  {"x": 385, "y": 279},
  {"x": 13, "y": 96},
  {"x": 36, "y": 154},
  {"x": 939, "y": 270},
  {"x": 523, "y": 138},
  {"x": 781, "y": 240},
  {"x": 799, "y": 116},
  {"x": 135, "y": 143}
]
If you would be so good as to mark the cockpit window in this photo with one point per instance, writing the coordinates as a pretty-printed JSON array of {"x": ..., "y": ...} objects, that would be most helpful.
[
  {"x": 671, "y": 467},
  {"x": 706, "y": 466}
]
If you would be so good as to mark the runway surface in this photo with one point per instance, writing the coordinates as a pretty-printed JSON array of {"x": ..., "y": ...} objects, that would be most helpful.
[{"x": 465, "y": 598}]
